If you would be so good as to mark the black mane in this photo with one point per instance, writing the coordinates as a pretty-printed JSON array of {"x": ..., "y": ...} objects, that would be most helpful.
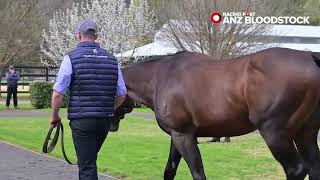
[{"x": 155, "y": 58}]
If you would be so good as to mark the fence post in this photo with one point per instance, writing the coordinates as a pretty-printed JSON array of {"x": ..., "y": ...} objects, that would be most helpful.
[
  {"x": 47, "y": 74},
  {"x": 0, "y": 83},
  {"x": 22, "y": 71}
]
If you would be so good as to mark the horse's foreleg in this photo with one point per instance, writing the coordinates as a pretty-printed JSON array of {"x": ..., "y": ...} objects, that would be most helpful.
[
  {"x": 285, "y": 153},
  {"x": 306, "y": 142},
  {"x": 187, "y": 146},
  {"x": 173, "y": 162}
]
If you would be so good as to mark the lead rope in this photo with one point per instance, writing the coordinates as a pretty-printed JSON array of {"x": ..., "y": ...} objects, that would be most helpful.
[{"x": 48, "y": 149}]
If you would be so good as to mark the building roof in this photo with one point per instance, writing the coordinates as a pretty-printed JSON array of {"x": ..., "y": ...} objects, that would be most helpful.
[
  {"x": 156, "y": 48},
  {"x": 304, "y": 47},
  {"x": 160, "y": 46},
  {"x": 295, "y": 31}
]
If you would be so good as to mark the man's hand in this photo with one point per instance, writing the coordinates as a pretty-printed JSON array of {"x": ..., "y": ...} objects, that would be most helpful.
[{"x": 55, "y": 120}]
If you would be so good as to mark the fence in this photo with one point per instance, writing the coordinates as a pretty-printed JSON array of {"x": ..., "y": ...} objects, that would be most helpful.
[{"x": 29, "y": 74}]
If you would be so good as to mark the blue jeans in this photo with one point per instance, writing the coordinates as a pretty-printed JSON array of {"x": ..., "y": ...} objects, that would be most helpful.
[{"x": 88, "y": 136}]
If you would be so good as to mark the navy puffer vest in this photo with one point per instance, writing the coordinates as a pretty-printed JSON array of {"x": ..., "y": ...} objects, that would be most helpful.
[{"x": 94, "y": 82}]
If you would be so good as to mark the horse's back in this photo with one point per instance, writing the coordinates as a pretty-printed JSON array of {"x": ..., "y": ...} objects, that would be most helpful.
[
  {"x": 192, "y": 90},
  {"x": 230, "y": 97}
]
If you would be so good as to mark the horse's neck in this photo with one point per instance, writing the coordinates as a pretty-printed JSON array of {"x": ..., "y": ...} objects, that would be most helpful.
[
  {"x": 140, "y": 85},
  {"x": 141, "y": 97}
]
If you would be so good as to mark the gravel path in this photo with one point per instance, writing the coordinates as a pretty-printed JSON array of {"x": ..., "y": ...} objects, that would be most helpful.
[{"x": 20, "y": 164}]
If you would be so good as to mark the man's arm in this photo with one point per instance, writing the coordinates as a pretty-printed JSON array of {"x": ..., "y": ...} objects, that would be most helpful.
[
  {"x": 7, "y": 76},
  {"x": 121, "y": 90},
  {"x": 56, "y": 103},
  {"x": 60, "y": 88}
]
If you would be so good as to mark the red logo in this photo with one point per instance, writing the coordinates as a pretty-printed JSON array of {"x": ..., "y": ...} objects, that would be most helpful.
[{"x": 216, "y": 18}]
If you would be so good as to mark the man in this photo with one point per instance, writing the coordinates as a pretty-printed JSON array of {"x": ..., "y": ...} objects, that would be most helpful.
[
  {"x": 12, "y": 85},
  {"x": 96, "y": 88}
]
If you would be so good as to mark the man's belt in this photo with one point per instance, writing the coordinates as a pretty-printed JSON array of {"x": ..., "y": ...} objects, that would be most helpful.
[{"x": 47, "y": 148}]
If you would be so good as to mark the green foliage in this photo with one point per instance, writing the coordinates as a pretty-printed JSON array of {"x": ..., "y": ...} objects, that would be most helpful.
[
  {"x": 40, "y": 95},
  {"x": 311, "y": 8}
]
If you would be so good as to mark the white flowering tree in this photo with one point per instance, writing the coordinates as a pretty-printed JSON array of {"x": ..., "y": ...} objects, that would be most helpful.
[{"x": 121, "y": 27}]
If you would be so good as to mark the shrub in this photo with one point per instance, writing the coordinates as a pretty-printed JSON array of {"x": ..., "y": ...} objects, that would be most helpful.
[{"x": 40, "y": 95}]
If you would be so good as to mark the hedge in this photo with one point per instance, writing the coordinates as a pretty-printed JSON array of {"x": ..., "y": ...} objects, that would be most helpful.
[
  {"x": 40, "y": 95},
  {"x": 41, "y": 92}
]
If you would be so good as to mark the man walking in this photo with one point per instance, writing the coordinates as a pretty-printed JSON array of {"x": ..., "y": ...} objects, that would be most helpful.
[
  {"x": 12, "y": 86},
  {"x": 96, "y": 86}
]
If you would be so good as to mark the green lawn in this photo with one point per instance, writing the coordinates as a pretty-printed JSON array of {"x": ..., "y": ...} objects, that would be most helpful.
[
  {"x": 142, "y": 110},
  {"x": 140, "y": 150},
  {"x": 21, "y": 106},
  {"x": 24, "y": 95}
]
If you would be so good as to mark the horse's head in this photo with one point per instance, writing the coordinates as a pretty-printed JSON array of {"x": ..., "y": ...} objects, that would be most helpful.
[{"x": 126, "y": 107}]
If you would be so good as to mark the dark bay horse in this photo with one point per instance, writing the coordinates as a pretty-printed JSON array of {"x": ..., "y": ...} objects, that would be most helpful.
[{"x": 275, "y": 91}]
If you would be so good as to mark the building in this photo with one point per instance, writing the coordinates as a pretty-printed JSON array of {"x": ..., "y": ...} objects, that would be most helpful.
[{"x": 287, "y": 36}]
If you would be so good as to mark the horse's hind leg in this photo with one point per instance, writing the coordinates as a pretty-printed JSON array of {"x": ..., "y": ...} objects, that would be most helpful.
[
  {"x": 306, "y": 142},
  {"x": 187, "y": 146},
  {"x": 285, "y": 153},
  {"x": 173, "y": 162}
]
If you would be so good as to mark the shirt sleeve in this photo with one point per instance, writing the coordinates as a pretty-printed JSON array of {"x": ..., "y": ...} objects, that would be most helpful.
[
  {"x": 64, "y": 76},
  {"x": 121, "y": 87}
]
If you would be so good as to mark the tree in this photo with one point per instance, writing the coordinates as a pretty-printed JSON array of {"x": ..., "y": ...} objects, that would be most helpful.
[
  {"x": 311, "y": 8},
  {"x": 187, "y": 25},
  {"x": 19, "y": 30},
  {"x": 120, "y": 27}
]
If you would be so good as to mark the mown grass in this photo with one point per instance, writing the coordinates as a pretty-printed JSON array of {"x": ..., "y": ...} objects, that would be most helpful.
[
  {"x": 139, "y": 151},
  {"x": 21, "y": 106},
  {"x": 142, "y": 110},
  {"x": 24, "y": 95}
]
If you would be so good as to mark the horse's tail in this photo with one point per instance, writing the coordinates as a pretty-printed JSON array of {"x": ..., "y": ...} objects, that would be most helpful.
[{"x": 316, "y": 58}]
